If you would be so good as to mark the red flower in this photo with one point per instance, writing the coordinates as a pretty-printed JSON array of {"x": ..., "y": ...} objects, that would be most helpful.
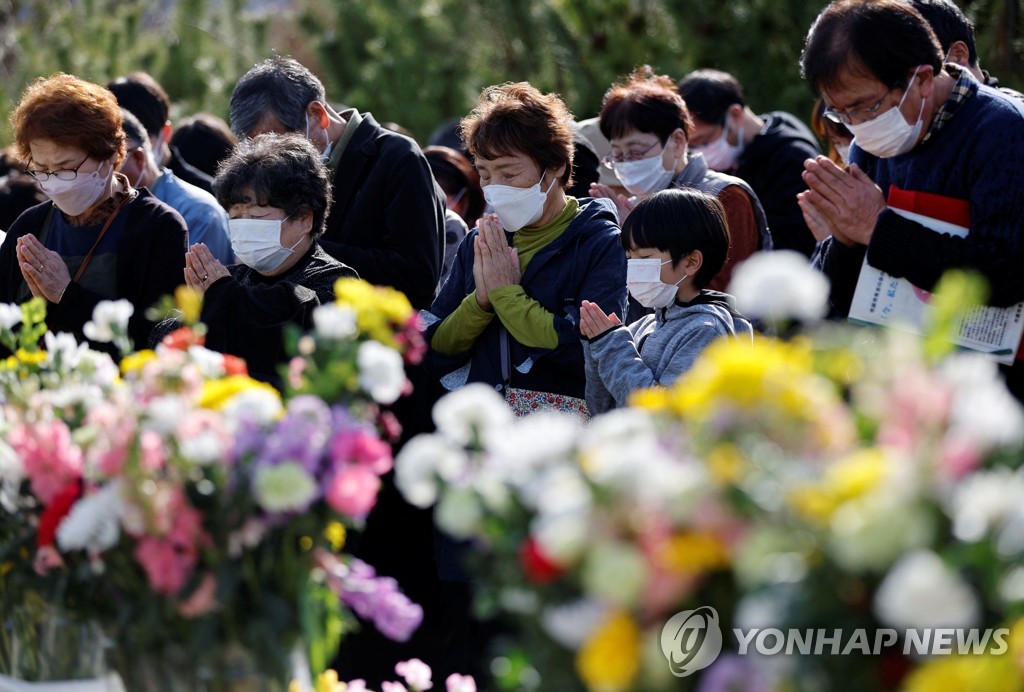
[
  {"x": 233, "y": 365},
  {"x": 539, "y": 568},
  {"x": 180, "y": 339},
  {"x": 55, "y": 512}
]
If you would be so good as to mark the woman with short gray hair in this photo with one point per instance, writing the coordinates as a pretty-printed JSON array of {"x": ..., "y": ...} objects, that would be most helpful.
[{"x": 277, "y": 193}]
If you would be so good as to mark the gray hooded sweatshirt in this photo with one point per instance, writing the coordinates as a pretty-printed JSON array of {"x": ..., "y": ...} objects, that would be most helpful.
[{"x": 658, "y": 348}]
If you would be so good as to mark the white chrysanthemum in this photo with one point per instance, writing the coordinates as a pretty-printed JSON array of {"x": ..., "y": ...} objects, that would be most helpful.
[
  {"x": 779, "y": 285},
  {"x": 64, "y": 349},
  {"x": 94, "y": 522},
  {"x": 871, "y": 532},
  {"x": 616, "y": 572},
  {"x": 572, "y": 624},
  {"x": 420, "y": 461},
  {"x": 556, "y": 489},
  {"x": 73, "y": 394},
  {"x": 109, "y": 318},
  {"x": 104, "y": 371},
  {"x": 286, "y": 487},
  {"x": 984, "y": 501},
  {"x": 209, "y": 363},
  {"x": 255, "y": 404},
  {"x": 10, "y": 315},
  {"x": 381, "y": 372},
  {"x": 459, "y": 512},
  {"x": 983, "y": 410},
  {"x": 12, "y": 472},
  {"x": 164, "y": 412},
  {"x": 473, "y": 409},
  {"x": 562, "y": 537},
  {"x": 333, "y": 321},
  {"x": 920, "y": 591},
  {"x": 533, "y": 442}
]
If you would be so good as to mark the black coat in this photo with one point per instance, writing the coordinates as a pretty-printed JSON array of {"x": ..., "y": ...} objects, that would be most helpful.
[
  {"x": 387, "y": 217},
  {"x": 150, "y": 264}
]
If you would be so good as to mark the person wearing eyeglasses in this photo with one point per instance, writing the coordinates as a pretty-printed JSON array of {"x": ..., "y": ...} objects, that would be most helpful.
[
  {"x": 927, "y": 136},
  {"x": 648, "y": 126},
  {"x": 97, "y": 238}
]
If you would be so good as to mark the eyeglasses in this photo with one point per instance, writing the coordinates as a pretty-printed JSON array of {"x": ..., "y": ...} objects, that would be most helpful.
[
  {"x": 65, "y": 174},
  {"x": 857, "y": 115},
  {"x": 630, "y": 155}
]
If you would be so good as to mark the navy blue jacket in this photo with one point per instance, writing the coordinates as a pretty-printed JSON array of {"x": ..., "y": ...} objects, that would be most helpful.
[{"x": 586, "y": 262}]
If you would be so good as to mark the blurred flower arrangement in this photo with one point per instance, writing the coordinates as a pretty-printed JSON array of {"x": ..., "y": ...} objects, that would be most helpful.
[
  {"x": 843, "y": 478},
  {"x": 190, "y": 510}
]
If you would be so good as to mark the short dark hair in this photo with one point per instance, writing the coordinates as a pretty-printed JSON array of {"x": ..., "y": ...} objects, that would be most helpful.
[
  {"x": 203, "y": 140},
  {"x": 679, "y": 221},
  {"x": 645, "y": 102},
  {"x": 278, "y": 85},
  {"x": 141, "y": 94},
  {"x": 709, "y": 93},
  {"x": 134, "y": 130},
  {"x": 518, "y": 117},
  {"x": 886, "y": 38},
  {"x": 453, "y": 172},
  {"x": 283, "y": 171},
  {"x": 950, "y": 25}
]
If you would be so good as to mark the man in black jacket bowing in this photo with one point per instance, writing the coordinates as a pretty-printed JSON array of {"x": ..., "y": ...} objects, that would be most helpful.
[{"x": 387, "y": 218}]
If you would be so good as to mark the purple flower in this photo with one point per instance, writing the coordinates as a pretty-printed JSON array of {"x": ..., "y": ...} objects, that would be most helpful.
[
  {"x": 732, "y": 673},
  {"x": 300, "y": 436},
  {"x": 378, "y": 599}
]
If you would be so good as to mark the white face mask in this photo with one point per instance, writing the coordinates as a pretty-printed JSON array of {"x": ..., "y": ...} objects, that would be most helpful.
[
  {"x": 142, "y": 171},
  {"x": 326, "y": 156},
  {"x": 643, "y": 279},
  {"x": 644, "y": 176},
  {"x": 73, "y": 197},
  {"x": 889, "y": 134},
  {"x": 720, "y": 155},
  {"x": 257, "y": 243},
  {"x": 517, "y": 206},
  {"x": 844, "y": 152}
]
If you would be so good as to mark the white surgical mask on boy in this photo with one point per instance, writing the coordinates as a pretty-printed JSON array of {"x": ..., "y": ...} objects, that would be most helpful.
[
  {"x": 643, "y": 279},
  {"x": 644, "y": 176},
  {"x": 257, "y": 243},
  {"x": 889, "y": 134},
  {"x": 517, "y": 206},
  {"x": 73, "y": 197}
]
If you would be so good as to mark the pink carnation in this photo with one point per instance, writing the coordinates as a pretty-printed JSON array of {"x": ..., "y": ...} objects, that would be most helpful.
[
  {"x": 170, "y": 556},
  {"x": 362, "y": 447},
  {"x": 460, "y": 683},
  {"x": 167, "y": 567},
  {"x": 115, "y": 433},
  {"x": 51, "y": 460},
  {"x": 353, "y": 491},
  {"x": 152, "y": 448}
]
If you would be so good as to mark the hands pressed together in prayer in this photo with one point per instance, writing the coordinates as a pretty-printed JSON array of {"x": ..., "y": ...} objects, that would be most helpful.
[
  {"x": 842, "y": 203},
  {"x": 495, "y": 263},
  {"x": 202, "y": 268},
  {"x": 593, "y": 321},
  {"x": 45, "y": 272},
  {"x": 623, "y": 203}
]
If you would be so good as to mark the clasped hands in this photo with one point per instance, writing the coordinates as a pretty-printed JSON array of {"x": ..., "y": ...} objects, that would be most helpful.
[
  {"x": 623, "y": 204},
  {"x": 844, "y": 204},
  {"x": 202, "y": 268},
  {"x": 495, "y": 263},
  {"x": 45, "y": 272}
]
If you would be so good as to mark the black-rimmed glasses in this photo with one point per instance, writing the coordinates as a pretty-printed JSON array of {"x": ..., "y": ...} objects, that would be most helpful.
[{"x": 65, "y": 174}]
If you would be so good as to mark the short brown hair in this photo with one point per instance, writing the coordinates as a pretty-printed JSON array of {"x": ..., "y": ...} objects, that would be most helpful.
[
  {"x": 517, "y": 117},
  {"x": 70, "y": 112},
  {"x": 645, "y": 102}
]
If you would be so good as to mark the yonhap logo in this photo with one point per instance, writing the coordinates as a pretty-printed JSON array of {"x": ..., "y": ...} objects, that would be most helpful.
[{"x": 691, "y": 640}]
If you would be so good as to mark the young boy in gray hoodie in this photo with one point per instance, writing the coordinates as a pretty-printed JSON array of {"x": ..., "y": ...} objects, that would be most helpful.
[{"x": 676, "y": 241}]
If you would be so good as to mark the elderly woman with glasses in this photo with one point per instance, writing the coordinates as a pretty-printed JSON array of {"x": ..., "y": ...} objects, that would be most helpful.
[
  {"x": 277, "y": 193},
  {"x": 96, "y": 238},
  {"x": 648, "y": 126}
]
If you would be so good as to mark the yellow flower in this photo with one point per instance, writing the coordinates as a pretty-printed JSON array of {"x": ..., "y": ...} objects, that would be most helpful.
[
  {"x": 217, "y": 393},
  {"x": 610, "y": 659},
  {"x": 190, "y": 302},
  {"x": 327, "y": 681},
  {"x": 694, "y": 553},
  {"x": 336, "y": 534},
  {"x": 971, "y": 673},
  {"x": 134, "y": 362},
  {"x": 1017, "y": 643},
  {"x": 851, "y": 477},
  {"x": 10, "y": 363},
  {"x": 30, "y": 357},
  {"x": 379, "y": 309},
  {"x": 726, "y": 464}
]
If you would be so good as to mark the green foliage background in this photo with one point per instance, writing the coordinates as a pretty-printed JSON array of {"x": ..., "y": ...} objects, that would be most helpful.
[{"x": 421, "y": 62}]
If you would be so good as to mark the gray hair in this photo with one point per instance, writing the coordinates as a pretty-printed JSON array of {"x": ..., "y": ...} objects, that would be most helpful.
[
  {"x": 279, "y": 86},
  {"x": 283, "y": 171}
]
